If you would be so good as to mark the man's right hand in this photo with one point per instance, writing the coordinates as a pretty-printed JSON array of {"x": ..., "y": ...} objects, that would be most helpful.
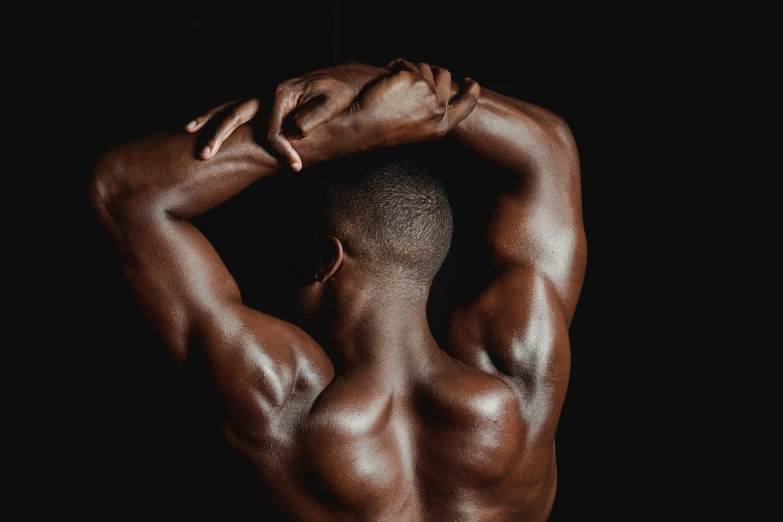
[
  {"x": 412, "y": 105},
  {"x": 402, "y": 103}
]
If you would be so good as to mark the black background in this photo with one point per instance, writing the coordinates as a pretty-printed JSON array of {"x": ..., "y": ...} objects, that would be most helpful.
[{"x": 610, "y": 75}]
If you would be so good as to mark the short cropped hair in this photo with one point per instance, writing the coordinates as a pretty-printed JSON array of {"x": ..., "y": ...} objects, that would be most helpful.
[{"x": 389, "y": 210}]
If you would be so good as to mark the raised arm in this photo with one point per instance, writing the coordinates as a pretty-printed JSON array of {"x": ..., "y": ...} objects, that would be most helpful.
[
  {"x": 145, "y": 191},
  {"x": 514, "y": 321},
  {"x": 538, "y": 222}
]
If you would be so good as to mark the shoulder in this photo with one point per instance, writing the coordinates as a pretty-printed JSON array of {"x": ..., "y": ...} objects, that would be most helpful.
[
  {"x": 262, "y": 368},
  {"x": 465, "y": 395},
  {"x": 475, "y": 419}
]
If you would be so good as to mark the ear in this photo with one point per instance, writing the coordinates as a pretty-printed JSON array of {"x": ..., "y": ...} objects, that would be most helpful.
[{"x": 329, "y": 257}]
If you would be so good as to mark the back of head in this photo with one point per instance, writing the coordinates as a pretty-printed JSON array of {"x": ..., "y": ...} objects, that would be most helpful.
[{"x": 389, "y": 211}]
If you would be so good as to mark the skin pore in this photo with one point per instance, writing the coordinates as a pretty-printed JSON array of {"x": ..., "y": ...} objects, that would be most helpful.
[{"x": 347, "y": 407}]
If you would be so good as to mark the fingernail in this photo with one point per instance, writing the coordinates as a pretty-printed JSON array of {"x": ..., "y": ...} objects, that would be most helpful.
[
  {"x": 296, "y": 166},
  {"x": 206, "y": 150},
  {"x": 191, "y": 125}
]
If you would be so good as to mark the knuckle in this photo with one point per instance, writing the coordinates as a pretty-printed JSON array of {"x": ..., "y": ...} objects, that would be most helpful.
[
  {"x": 234, "y": 115},
  {"x": 442, "y": 129},
  {"x": 321, "y": 84},
  {"x": 328, "y": 104},
  {"x": 409, "y": 78},
  {"x": 419, "y": 82},
  {"x": 281, "y": 89},
  {"x": 442, "y": 75},
  {"x": 300, "y": 125}
]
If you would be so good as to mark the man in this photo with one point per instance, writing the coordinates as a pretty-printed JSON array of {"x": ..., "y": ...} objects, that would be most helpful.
[{"x": 350, "y": 408}]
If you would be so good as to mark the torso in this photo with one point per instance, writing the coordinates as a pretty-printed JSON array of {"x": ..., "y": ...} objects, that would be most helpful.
[{"x": 450, "y": 444}]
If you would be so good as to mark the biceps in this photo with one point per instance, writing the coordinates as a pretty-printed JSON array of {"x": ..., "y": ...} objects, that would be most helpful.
[{"x": 177, "y": 277}]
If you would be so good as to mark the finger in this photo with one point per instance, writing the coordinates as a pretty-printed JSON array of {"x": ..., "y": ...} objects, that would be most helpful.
[
  {"x": 315, "y": 112},
  {"x": 405, "y": 65},
  {"x": 392, "y": 64},
  {"x": 442, "y": 82},
  {"x": 239, "y": 114},
  {"x": 464, "y": 103},
  {"x": 400, "y": 64},
  {"x": 199, "y": 122},
  {"x": 283, "y": 104},
  {"x": 426, "y": 73}
]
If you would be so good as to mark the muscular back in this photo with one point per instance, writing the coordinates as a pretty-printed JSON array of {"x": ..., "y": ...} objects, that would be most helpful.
[{"x": 448, "y": 443}]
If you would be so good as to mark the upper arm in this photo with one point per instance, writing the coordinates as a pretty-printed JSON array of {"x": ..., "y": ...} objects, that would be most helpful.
[
  {"x": 515, "y": 322},
  {"x": 538, "y": 223},
  {"x": 517, "y": 330}
]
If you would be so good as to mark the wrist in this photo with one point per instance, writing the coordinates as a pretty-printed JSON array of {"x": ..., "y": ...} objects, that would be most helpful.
[
  {"x": 338, "y": 137},
  {"x": 467, "y": 122}
]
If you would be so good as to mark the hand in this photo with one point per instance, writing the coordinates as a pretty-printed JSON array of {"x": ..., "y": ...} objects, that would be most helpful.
[
  {"x": 300, "y": 105},
  {"x": 412, "y": 105}
]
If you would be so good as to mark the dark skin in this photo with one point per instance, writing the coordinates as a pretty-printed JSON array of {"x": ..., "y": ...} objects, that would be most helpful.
[{"x": 358, "y": 413}]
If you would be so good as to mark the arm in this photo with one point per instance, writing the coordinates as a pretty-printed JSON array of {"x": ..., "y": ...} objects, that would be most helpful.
[
  {"x": 143, "y": 192},
  {"x": 538, "y": 222},
  {"x": 516, "y": 324}
]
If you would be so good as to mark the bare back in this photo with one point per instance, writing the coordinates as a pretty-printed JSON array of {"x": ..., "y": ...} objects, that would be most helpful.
[{"x": 451, "y": 443}]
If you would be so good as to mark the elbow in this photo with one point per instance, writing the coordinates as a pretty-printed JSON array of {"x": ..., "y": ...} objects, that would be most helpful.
[
  {"x": 561, "y": 137},
  {"x": 96, "y": 195},
  {"x": 104, "y": 180},
  {"x": 113, "y": 190}
]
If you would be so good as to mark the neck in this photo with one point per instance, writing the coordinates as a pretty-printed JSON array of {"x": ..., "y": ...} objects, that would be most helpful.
[{"x": 379, "y": 330}]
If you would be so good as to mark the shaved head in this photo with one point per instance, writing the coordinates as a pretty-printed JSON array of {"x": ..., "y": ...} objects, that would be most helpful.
[{"x": 389, "y": 211}]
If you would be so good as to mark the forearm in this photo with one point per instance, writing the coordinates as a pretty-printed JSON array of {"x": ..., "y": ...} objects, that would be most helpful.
[
  {"x": 161, "y": 173},
  {"x": 342, "y": 136}
]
